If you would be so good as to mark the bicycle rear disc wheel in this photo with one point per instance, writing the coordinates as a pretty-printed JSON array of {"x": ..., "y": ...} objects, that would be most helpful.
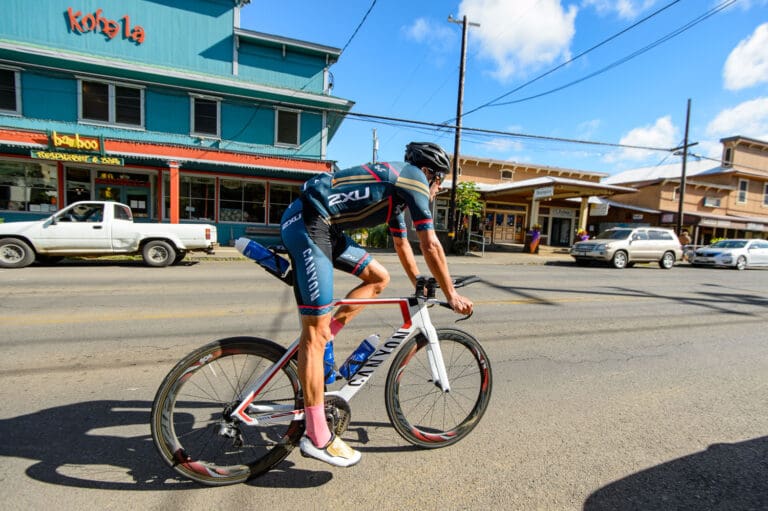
[
  {"x": 191, "y": 424},
  {"x": 418, "y": 408}
]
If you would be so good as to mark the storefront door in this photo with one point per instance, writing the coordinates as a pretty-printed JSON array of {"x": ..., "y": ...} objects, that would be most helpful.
[{"x": 561, "y": 232}]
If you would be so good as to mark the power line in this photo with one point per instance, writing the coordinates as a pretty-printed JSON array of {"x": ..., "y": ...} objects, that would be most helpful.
[
  {"x": 573, "y": 59},
  {"x": 624, "y": 59},
  {"x": 394, "y": 121},
  {"x": 358, "y": 26}
]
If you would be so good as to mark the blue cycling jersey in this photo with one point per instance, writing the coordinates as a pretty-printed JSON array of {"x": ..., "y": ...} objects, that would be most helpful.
[
  {"x": 373, "y": 194},
  {"x": 313, "y": 226}
]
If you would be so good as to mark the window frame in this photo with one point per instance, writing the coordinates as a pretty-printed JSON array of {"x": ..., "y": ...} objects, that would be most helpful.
[
  {"x": 765, "y": 195},
  {"x": 280, "y": 143},
  {"x": 741, "y": 194},
  {"x": 17, "y": 90},
  {"x": 112, "y": 106},
  {"x": 193, "y": 98}
]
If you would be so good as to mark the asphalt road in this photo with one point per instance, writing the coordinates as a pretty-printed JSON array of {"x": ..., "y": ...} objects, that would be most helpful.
[{"x": 634, "y": 389}]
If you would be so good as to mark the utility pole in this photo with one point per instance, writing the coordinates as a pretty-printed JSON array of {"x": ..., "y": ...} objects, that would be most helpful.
[
  {"x": 452, "y": 216},
  {"x": 375, "y": 146},
  {"x": 680, "y": 207}
]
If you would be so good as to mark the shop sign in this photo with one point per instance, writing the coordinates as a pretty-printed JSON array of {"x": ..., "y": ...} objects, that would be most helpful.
[
  {"x": 562, "y": 213},
  {"x": 77, "y": 158},
  {"x": 543, "y": 193},
  {"x": 80, "y": 23},
  {"x": 599, "y": 209},
  {"x": 76, "y": 142},
  {"x": 637, "y": 217}
]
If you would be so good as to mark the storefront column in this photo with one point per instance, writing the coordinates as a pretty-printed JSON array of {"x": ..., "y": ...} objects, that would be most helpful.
[
  {"x": 534, "y": 219},
  {"x": 583, "y": 213},
  {"x": 173, "y": 192}
]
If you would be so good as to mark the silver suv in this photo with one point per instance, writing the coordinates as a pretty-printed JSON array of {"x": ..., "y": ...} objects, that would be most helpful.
[{"x": 625, "y": 246}]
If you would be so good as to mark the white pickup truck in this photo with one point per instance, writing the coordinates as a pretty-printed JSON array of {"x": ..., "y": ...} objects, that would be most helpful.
[{"x": 100, "y": 228}]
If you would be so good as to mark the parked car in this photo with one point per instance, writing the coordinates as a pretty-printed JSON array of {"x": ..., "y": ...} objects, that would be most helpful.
[
  {"x": 736, "y": 253},
  {"x": 99, "y": 228},
  {"x": 625, "y": 246}
]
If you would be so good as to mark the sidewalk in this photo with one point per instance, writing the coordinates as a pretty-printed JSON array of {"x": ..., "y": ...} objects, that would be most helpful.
[{"x": 507, "y": 257}]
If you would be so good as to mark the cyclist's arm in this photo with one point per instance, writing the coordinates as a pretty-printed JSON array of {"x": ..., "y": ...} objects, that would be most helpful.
[
  {"x": 435, "y": 258},
  {"x": 407, "y": 260}
]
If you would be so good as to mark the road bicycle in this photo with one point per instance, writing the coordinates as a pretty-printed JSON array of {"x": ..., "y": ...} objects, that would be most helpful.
[{"x": 233, "y": 409}]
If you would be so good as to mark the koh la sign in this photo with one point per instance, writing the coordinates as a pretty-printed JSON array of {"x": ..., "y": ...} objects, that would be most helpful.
[{"x": 80, "y": 23}]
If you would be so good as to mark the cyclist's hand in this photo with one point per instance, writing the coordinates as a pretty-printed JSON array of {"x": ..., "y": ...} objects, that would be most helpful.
[{"x": 461, "y": 304}]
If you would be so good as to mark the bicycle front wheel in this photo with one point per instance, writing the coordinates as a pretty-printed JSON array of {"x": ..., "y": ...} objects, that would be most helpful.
[
  {"x": 418, "y": 408},
  {"x": 191, "y": 423}
]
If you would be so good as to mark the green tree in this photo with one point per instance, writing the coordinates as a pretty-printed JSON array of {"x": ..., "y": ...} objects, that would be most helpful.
[{"x": 467, "y": 204}]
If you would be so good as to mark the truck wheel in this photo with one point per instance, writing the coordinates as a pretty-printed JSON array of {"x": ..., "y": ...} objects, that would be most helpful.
[
  {"x": 158, "y": 253},
  {"x": 15, "y": 253}
]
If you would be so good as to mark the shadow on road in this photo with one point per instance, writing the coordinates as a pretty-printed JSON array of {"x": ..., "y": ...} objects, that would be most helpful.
[
  {"x": 78, "y": 445},
  {"x": 725, "y": 476}
]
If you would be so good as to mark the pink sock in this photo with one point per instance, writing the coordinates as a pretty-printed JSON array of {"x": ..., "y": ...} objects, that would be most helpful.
[
  {"x": 336, "y": 325},
  {"x": 317, "y": 428}
]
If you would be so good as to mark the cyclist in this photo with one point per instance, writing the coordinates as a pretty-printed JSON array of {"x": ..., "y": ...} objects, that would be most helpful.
[{"x": 313, "y": 232}]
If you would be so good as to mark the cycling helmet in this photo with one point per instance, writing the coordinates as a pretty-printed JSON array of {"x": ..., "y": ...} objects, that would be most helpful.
[{"x": 427, "y": 154}]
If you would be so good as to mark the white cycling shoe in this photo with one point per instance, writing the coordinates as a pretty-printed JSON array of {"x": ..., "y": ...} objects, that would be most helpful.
[{"x": 336, "y": 452}]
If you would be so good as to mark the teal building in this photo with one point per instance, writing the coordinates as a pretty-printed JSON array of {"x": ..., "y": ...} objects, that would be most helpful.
[{"x": 167, "y": 106}]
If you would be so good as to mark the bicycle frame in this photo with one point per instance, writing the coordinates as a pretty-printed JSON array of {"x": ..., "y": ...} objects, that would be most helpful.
[{"x": 416, "y": 320}]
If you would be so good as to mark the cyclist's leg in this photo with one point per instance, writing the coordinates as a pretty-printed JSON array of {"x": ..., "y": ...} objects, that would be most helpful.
[
  {"x": 309, "y": 247},
  {"x": 313, "y": 288},
  {"x": 349, "y": 257}
]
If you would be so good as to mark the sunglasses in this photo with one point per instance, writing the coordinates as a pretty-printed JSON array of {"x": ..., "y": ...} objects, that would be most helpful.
[{"x": 437, "y": 176}]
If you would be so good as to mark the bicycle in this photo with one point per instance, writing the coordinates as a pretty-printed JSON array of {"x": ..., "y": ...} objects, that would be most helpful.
[{"x": 232, "y": 409}]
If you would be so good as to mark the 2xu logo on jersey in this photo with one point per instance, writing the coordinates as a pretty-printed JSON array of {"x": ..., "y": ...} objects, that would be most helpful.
[{"x": 355, "y": 195}]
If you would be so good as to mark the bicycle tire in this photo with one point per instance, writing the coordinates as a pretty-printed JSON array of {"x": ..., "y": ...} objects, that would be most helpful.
[
  {"x": 419, "y": 410},
  {"x": 192, "y": 404}
]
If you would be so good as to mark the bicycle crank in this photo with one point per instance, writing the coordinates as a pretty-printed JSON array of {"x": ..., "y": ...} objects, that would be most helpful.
[{"x": 338, "y": 414}]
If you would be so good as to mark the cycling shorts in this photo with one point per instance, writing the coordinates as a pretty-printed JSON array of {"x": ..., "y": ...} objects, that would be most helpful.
[{"x": 316, "y": 247}]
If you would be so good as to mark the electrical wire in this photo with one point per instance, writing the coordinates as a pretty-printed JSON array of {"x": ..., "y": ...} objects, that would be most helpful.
[
  {"x": 573, "y": 59},
  {"x": 624, "y": 59},
  {"x": 358, "y": 26}
]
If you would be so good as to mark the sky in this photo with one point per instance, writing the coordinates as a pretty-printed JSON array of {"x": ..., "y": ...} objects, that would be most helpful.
[{"x": 541, "y": 77}]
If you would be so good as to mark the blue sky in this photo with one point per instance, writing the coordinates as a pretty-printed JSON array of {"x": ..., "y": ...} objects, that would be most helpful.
[{"x": 403, "y": 63}]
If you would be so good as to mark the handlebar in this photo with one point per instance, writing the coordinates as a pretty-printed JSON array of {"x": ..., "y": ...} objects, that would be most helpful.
[{"x": 425, "y": 287}]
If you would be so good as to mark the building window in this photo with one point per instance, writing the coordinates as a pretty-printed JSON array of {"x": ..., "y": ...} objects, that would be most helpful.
[
  {"x": 280, "y": 196},
  {"x": 727, "y": 157},
  {"x": 111, "y": 103},
  {"x": 441, "y": 214},
  {"x": 242, "y": 201},
  {"x": 507, "y": 176},
  {"x": 205, "y": 116},
  {"x": 28, "y": 187},
  {"x": 743, "y": 187},
  {"x": 765, "y": 194},
  {"x": 197, "y": 196},
  {"x": 10, "y": 91},
  {"x": 287, "y": 127}
]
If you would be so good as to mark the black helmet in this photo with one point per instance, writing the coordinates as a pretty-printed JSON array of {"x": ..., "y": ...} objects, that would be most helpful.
[{"x": 427, "y": 154}]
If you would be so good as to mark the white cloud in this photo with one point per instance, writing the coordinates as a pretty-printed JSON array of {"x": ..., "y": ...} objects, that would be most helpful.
[
  {"x": 624, "y": 9},
  {"x": 423, "y": 30},
  {"x": 660, "y": 134},
  {"x": 747, "y": 65},
  {"x": 748, "y": 119},
  {"x": 520, "y": 35}
]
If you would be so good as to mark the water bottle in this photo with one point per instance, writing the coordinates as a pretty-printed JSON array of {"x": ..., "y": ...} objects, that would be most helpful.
[
  {"x": 359, "y": 356},
  {"x": 272, "y": 262},
  {"x": 328, "y": 366}
]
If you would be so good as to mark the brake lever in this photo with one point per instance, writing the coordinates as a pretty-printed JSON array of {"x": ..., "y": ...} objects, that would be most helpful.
[{"x": 465, "y": 317}]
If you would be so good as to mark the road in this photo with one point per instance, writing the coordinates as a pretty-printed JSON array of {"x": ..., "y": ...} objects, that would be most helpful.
[{"x": 633, "y": 389}]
